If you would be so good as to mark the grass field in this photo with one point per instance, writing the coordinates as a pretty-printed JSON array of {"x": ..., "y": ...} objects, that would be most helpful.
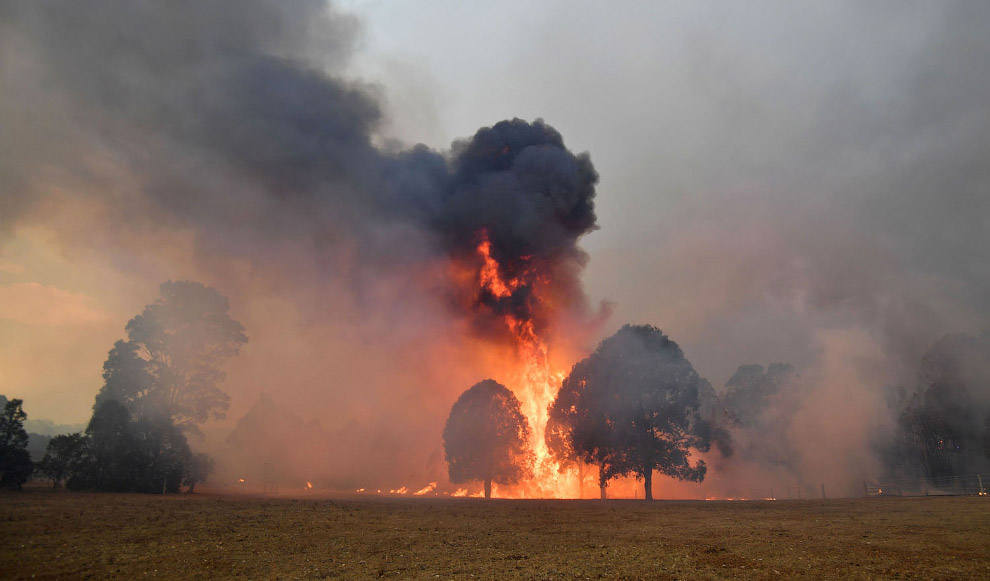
[{"x": 82, "y": 535}]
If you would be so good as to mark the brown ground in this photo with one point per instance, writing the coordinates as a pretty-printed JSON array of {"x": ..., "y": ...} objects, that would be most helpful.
[{"x": 81, "y": 535}]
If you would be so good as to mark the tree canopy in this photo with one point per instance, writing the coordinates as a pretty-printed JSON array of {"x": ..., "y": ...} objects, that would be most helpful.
[
  {"x": 759, "y": 406},
  {"x": 632, "y": 407},
  {"x": 15, "y": 461},
  {"x": 943, "y": 427},
  {"x": 170, "y": 366},
  {"x": 64, "y": 456},
  {"x": 487, "y": 437}
]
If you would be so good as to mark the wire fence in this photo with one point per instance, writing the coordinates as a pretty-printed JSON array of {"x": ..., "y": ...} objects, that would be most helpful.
[{"x": 938, "y": 486}]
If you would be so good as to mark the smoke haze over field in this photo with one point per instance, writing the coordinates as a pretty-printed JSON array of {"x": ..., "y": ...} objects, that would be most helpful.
[{"x": 772, "y": 182}]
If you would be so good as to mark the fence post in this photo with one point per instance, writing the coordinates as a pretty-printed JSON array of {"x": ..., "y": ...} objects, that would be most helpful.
[
  {"x": 866, "y": 490},
  {"x": 823, "y": 489},
  {"x": 979, "y": 479}
]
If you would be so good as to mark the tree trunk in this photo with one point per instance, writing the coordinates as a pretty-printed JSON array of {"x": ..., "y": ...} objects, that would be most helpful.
[
  {"x": 488, "y": 487},
  {"x": 648, "y": 481},
  {"x": 602, "y": 483}
]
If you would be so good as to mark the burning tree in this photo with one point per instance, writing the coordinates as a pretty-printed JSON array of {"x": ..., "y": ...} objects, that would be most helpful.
[
  {"x": 632, "y": 407},
  {"x": 487, "y": 437}
]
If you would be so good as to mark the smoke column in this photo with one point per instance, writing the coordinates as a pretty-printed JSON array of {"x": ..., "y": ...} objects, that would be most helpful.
[{"x": 225, "y": 141}]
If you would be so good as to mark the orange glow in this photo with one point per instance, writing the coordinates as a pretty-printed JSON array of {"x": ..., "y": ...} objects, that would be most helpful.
[
  {"x": 241, "y": 480},
  {"x": 309, "y": 485},
  {"x": 460, "y": 492}
]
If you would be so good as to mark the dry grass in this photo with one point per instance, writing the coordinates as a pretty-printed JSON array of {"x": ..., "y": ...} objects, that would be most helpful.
[{"x": 79, "y": 535}]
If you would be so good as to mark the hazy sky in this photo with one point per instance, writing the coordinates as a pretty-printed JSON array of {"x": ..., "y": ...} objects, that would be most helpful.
[{"x": 801, "y": 182}]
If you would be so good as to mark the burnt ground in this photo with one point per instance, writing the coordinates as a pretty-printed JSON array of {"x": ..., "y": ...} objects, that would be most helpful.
[{"x": 86, "y": 535}]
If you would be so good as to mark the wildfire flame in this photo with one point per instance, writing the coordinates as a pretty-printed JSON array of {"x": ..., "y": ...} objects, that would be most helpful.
[
  {"x": 426, "y": 489},
  {"x": 309, "y": 485},
  {"x": 534, "y": 383}
]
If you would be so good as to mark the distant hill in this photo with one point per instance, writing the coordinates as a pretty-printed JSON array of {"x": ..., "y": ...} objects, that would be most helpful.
[{"x": 50, "y": 428}]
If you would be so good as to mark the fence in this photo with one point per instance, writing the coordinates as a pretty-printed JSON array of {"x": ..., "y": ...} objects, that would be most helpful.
[{"x": 938, "y": 486}]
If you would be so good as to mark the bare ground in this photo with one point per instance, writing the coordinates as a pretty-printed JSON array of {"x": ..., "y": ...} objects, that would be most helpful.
[{"x": 82, "y": 535}]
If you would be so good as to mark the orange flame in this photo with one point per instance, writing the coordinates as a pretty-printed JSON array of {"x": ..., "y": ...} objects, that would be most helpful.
[
  {"x": 426, "y": 489},
  {"x": 533, "y": 381},
  {"x": 489, "y": 276}
]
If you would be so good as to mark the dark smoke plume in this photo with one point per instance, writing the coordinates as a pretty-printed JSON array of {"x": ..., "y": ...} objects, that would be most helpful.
[
  {"x": 228, "y": 123},
  {"x": 225, "y": 140}
]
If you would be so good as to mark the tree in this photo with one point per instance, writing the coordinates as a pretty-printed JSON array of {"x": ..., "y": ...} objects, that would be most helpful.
[
  {"x": 15, "y": 461},
  {"x": 943, "y": 427},
  {"x": 113, "y": 461},
  {"x": 759, "y": 407},
  {"x": 133, "y": 455},
  {"x": 64, "y": 456},
  {"x": 487, "y": 437},
  {"x": 170, "y": 366},
  {"x": 633, "y": 407},
  {"x": 198, "y": 470}
]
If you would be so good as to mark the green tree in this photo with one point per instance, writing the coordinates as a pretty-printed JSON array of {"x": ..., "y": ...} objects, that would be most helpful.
[
  {"x": 64, "y": 456},
  {"x": 633, "y": 407},
  {"x": 487, "y": 437},
  {"x": 15, "y": 461}
]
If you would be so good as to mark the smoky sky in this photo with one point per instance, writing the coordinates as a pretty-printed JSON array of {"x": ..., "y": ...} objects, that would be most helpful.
[{"x": 234, "y": 124}]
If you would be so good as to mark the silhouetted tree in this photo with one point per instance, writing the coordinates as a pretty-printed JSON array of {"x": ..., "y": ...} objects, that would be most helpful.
[
  {"x": 943, "y": 427},
  {"x": 128, "y": 454},
  {"x": 487, "y": 437},
  {"x": 15, "y": 461},
  {"x": 198, "y": 470},
  {"x": 112, "y": 461},
  {"x": 759, "y": 405},
  {"x": 127, "y": 379},
  {"x": 633, "y": 407},
  {"x": 64, "y": 456},
  {"x": 170, "y": 365}
]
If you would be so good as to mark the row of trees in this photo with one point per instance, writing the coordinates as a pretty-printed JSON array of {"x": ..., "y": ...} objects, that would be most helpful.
[
  {"x": 632, "y": 407},
  {"x": 159, "y": 386}
]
